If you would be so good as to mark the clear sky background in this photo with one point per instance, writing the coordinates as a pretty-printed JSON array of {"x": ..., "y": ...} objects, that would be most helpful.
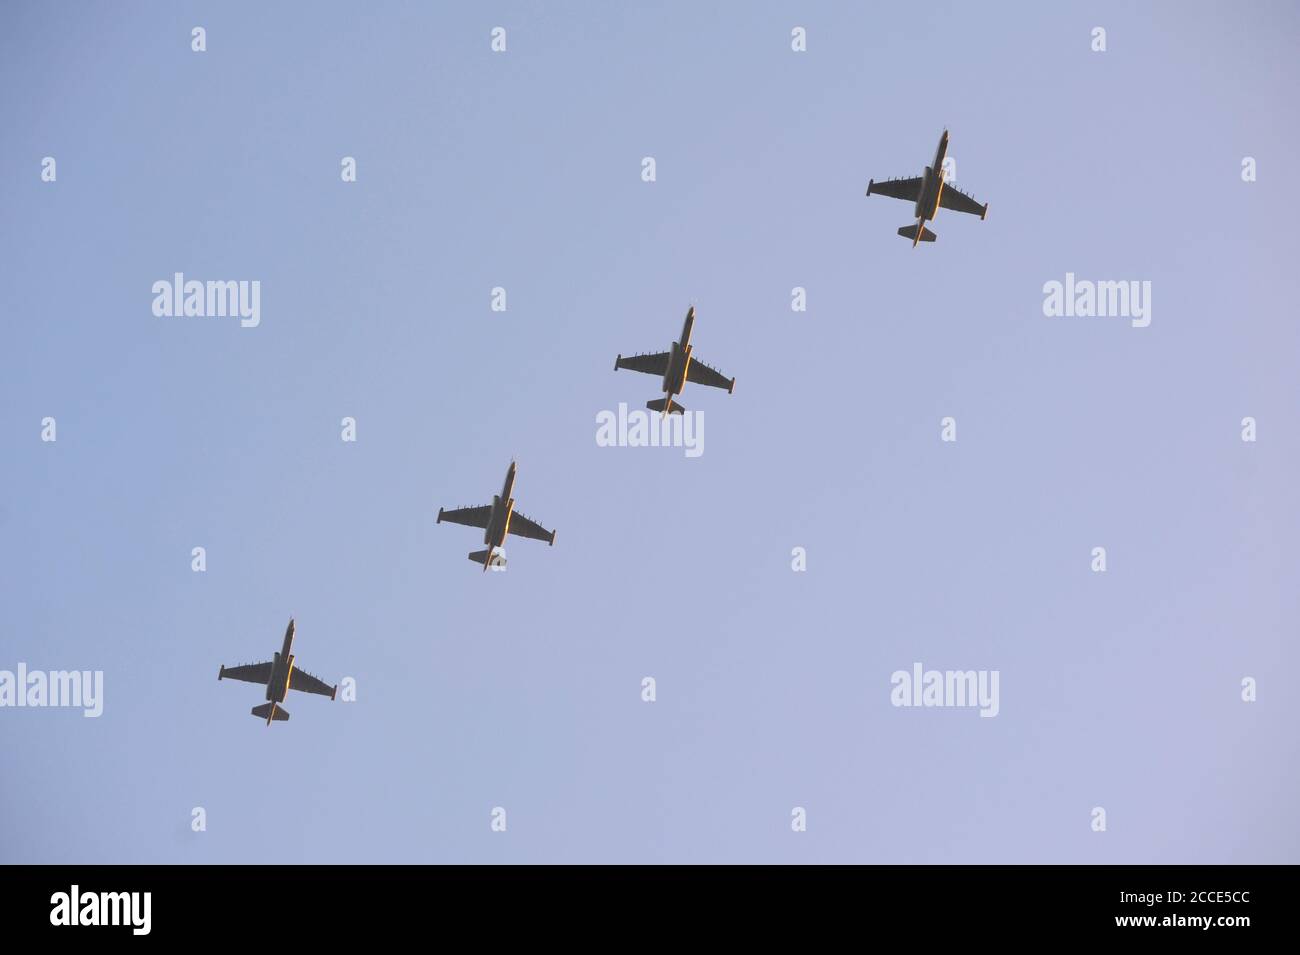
[{"x": 522, "y": 689}]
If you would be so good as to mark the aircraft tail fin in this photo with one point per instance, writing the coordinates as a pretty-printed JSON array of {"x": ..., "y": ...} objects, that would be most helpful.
[
  {"x": 909, "y": 232},
  {"x": 666, "y": 405},
  {"x": 481, "y": 557},
  {"x": 270, "y": 711}
]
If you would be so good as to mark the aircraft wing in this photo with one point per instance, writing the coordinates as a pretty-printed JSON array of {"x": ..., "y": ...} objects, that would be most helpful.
[
  {"x": 469, "y": 516},
  {"x": 702, "y": 374},
  {"x": 650, "y": 364},
  {"x": 249, "y": 673},
  {"x": 304, "y": 681},
  {"x": 521, "y": 526},
  {"x": 958, "y": 201},
  {"x": 907, "y": 189}
]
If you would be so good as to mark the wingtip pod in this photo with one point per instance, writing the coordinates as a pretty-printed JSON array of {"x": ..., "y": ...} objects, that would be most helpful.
[
  {"x": 617, "y": 361},
  {"x": 221, "y": 674},
  {"x": 731, "y": 389},
  {"x": 335, "y": 692},
  {"x": 439, "y": 520},
  {"x": 985, "y": 214},
  {"x": 870, "y": 183},
  {"x": 552, "y": 544}
]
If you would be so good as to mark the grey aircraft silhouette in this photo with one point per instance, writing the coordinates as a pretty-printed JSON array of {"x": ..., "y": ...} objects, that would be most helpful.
[
  {"x": 279, "y": 677},
  {"x": 929, "y": 192},
  {"x": 497, "y": 520},
  {"x": 676, "y": 366}
]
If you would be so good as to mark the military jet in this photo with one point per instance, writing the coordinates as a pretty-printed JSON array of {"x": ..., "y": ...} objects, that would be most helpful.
[
  {"x": 279, "y": 677},
  {"x": 677, "y": 367},
  {"x": 497, "y": 520},
  {"x": 929, "y": 192}
]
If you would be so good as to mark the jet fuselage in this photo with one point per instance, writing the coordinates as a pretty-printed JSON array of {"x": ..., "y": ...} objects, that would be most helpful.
[
  {"x": 281, "y": 669},
  {"x": 927, "y": 201},
  {"x": 679, "y": 358},
  {"x": 503, "y": 506}
]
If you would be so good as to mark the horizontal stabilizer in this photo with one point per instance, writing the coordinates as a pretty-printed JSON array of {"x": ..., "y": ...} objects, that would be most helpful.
[
  {"x": 261, "y": 712},
  {"x": 660, "y": 403},
  {"x": 481, "y": 556},
  {"x": 909, "y": 232}
]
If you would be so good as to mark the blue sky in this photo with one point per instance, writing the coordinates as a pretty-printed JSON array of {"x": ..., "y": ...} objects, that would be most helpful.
[{"x": 522, "y": 689}]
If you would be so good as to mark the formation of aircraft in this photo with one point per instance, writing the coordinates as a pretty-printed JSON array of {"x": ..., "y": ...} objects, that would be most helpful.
[
  {"x": 929, "y": 192},
  {"x": 497, "y": 520},
  {"x": 279, "y": 676},
  {"x": 675, "y": 367}
]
